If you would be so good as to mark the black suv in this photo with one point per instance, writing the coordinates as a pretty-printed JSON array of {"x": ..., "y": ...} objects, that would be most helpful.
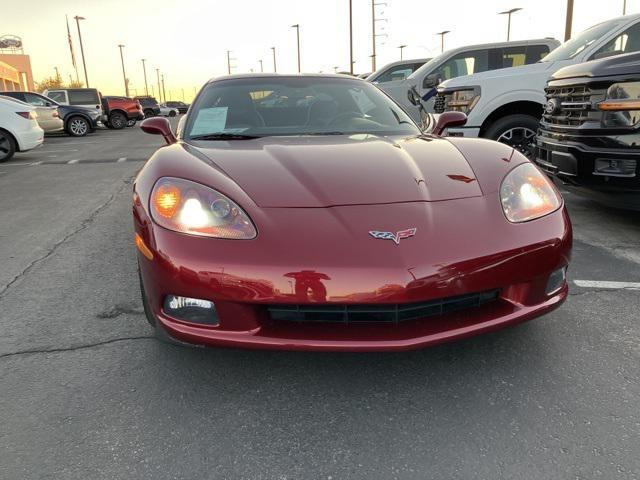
[
  {"x": 150, "y": 106},
  {"x": 181, "y": 106},
  {"x": 589, "y": 136}
]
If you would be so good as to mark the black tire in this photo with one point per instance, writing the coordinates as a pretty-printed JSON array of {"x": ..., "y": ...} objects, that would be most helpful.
[
  {"x": 117, "y": 120},
  {"x": 160, "y": 333},
  {"x": 108, "y": 125},
  {"x": 7, "y": 146},
  {"x": 172, "y": 113},
  {"x": 149, "y": 113},
  {"x": 131, "y": 123},
  {"x": 78, "y": 126},
  {"x": 518, "y": 131}
]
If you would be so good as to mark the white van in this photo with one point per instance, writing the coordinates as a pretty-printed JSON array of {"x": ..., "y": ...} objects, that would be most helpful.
[
  {"x": 506, "y": 105},
  {"x": 465, "y": 61}
]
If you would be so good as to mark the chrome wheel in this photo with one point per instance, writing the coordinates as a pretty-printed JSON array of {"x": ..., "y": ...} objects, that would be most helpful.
[
  {"x": 522, "y": 139},
  {"x": 78, "y": 127}
]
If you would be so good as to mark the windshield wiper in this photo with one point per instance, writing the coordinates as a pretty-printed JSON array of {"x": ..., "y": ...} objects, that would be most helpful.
[{"x": 224, "y": 136}]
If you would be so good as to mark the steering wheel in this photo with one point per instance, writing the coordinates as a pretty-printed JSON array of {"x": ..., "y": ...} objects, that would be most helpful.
[{"x": 345, "y": 116}]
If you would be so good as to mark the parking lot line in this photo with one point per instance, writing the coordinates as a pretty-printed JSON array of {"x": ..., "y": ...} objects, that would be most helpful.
[
  {"x": 19, "y": 164},
  {"x": 122, "y": 159},
  {"x": 58, "y": 151},
  {"x": 607, "y": 284},
  {"x": 71, "y": 162}
]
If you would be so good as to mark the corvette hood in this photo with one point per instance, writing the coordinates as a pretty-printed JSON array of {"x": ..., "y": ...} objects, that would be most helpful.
[{"x": 344, "y": 170}]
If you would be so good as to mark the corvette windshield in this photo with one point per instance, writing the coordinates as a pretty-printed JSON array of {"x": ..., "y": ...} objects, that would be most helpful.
[{"x": 251, "y": 107}]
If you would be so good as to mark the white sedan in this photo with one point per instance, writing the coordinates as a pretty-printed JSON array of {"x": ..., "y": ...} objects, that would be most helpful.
[
  {"x": 167, "y": 111},
  {"x": 19, "y": 129}
]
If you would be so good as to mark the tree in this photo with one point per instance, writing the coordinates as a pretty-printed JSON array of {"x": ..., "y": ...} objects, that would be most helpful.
[
  {"x": 49, "y": 83},
  {"x": 75, "y": 84}
]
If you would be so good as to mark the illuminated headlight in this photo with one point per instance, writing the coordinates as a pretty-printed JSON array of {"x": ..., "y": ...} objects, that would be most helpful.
[
  {"x": 622, "y": 105},
  {"x": 526, "y": 194},
  {"x": 188, "y": 207},
  {"x": 462, "y": 100}
]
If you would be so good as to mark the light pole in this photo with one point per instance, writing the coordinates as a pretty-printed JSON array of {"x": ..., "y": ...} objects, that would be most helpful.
[
  {"x": 568, "y": 21},
  {"x": 124, "y": 75},
  {"x": 624, "y": 7},
  {"x": 373, "y": 32},
  {"x": 401, "y": 47},
  {"x": 442, "y": 34},
  {"x": 144, "y": 69},
  {"x": 164, "y": 94},
  {"x": 84, "y": 64},
  {"x": 261, "y": 66},
  {"x": 274, "y": 59},
  {"x": 297, "y": 27},
  {"x": 509, "y": 13},
  {"x": 351, "y": 37},
  {"x": 159, "y": 89}
]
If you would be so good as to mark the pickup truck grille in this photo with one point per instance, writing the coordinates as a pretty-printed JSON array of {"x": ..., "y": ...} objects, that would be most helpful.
[
  {"x": 574, "y": 105},
  {"x": 439, "y": 104}
]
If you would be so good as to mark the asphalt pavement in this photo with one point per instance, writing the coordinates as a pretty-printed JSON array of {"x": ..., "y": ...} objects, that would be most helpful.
[{"x": 88, "y": 393}]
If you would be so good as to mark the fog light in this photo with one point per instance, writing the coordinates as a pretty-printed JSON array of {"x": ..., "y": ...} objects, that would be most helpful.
[
  {"x": 556, "y": 281},
  {"x": 193, "y": 310}
]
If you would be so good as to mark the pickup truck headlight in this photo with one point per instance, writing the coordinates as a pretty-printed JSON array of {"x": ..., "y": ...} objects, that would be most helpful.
[
  {"x": 622, "y": 105},
  {"x": 462, "y": 100}
]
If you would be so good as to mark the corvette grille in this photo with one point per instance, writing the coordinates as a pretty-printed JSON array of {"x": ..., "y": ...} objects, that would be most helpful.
[{"x": 389, "y": 313}]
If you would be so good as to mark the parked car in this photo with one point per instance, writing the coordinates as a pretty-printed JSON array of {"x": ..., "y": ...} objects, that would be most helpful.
[
  {"x": 121, "y": 111},
  {"x": 78, "y": 120},
  {"x": 394, "y": 71},
  {"x": 589, "y": 135},
  {"x": 465, "y": 61},
  {"x": 83, "y": 97},
  {"x": 49, "y": 117},
  {"x": 506, "y": 105},
  {"x": 19, "y": 130},
  {"x": 223, "y": 262},
  {"x": 181, "y": 106},
  {"x": 167, "y": 111},
  {"x": 149, "y": 104}
]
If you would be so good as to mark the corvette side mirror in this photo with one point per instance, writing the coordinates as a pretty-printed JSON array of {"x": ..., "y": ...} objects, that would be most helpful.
[
  {"x": 449, "y": 119},
  {"x": 159, "y": 126}
]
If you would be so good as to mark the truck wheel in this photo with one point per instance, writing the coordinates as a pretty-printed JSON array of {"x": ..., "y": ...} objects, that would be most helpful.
[
  {"x": 117, "y": 120},
  {"x": 149, "y": 113},
  {"x": 7, "y": 146},
  {"x": 78, "y": 126},
  {"x": 172, "y": 113},
  {"x": 131, "y": 123},
  {"x": 517, "y": 131}
]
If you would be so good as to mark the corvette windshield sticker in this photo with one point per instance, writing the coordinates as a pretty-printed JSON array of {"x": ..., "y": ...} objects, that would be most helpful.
[{"x": 210, "y": 120}]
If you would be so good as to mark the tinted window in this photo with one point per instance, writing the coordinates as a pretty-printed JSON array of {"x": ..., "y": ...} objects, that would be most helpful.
[
  {"x": 535, "y": 53},
  {"x": 83, "y": 97},
  {"x": 514, "y": 56},
  {"x": 578, "y": 44},
  {"x": 296, "y": 106},
  {"x": 466, "y": 63},
  {"x": 35, "y": 100},
  {"x": 626, "y": 42},
  {"x": 59, "y": 97}
]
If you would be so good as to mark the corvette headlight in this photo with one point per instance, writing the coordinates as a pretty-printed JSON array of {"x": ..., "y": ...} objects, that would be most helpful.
[
  {"x": 462, "y": 100},
  {"x": 188, "y": 207},
  {"x": 622, "y": 105},
  {"x": 526, "y": 194}
]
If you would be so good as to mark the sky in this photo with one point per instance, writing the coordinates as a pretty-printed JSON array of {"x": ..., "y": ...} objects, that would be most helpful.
[{"x": 188, "y": 39}]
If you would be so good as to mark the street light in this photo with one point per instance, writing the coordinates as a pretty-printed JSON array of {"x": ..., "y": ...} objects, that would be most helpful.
[
  {"x": 274, "y": 59},
  {"x": 351, "y": 37},
  {"x": 401, "y": 47},
  {"x": 297, "y": 27},
  {"x": 509, "y": 13},
  {"x": 442, "y": 34},
  {"x": 84, "y": 64},
  {"x": 124, "y": 75},
  {"x": 144, "y": 69},
  {"x": 159, "y": 87},
  {"x": 261, "y": 66},
  {"x": 164, "y": 94}
]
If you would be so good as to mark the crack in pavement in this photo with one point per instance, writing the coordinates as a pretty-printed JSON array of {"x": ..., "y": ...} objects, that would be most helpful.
[
  {"x": 83, "y": 225},
  {"x": 120, "y": 309},
  {"x": 76, "y": 347}
]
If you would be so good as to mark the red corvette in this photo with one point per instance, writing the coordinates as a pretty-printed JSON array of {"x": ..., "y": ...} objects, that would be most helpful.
[{"x": 311, "y": 213}]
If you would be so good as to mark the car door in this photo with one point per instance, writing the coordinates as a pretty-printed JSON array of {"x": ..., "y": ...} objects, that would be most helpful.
[{"x": 48, "y": 118}]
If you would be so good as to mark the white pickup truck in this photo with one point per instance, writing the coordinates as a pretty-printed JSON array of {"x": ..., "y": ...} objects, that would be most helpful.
[{"x": 506, "y": 105}]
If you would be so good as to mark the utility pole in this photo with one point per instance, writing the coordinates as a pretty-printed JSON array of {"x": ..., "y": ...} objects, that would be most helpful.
[
  {"x": 401, "y": 47},
  {"x": 153, "y": 93},
  {"x": 159, "y": 89},
  {"x": 297, "y": 27},
  {"x": 509, "y": 13},
  {"x": 624, "y": 7},
  {"x": 274, "y": 59},
  {"x": 229, "y": 58},
  {"x": 144, "y": 69},
  {"x": 84, "y": 64},
  {"x": 351, "y": 37},
  {"x": 124, "y": 75},
  {"x": 442, "y": 34},
  {"x": 164, "y": 94},
  {"x": 183, "y": 94},
  {"x": 569, "y": 20},
  {"x": 261, "y": 66},
  {"x": 373, "y": 32},
  {"x": 57, "y": 74}
]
